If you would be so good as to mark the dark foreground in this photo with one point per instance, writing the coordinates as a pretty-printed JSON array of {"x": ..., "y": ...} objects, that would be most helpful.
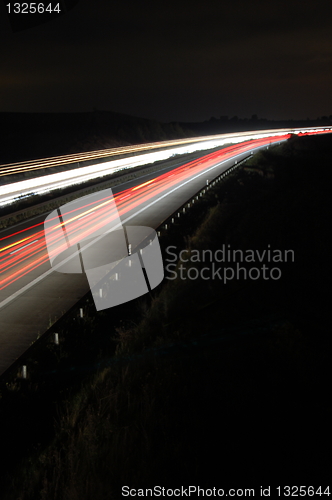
[{"x": 205, "y": 383}]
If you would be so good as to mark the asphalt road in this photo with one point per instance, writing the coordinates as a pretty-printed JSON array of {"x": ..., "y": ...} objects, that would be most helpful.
[
  {"x": 121, "y": 152},
  {"x": 33, "y": 295}
]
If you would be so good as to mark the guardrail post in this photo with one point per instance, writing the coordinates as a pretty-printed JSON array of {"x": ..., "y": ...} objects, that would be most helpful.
[
  {"x": 24, "y": 371},
  {"x": 56, "y": 339}
]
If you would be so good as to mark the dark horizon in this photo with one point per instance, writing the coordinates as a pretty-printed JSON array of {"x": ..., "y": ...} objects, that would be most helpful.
[
  {"x": 27, "y": 136},
  {"x": 182, "y": 63},
  {"x": 214, "y": 118}
]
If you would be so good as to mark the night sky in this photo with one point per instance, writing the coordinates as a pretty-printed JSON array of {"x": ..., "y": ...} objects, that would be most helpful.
[{"x": 182, "y": 60}]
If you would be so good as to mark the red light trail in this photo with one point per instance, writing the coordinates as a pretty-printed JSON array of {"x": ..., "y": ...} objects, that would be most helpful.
[{"x": 19, "y": 258}]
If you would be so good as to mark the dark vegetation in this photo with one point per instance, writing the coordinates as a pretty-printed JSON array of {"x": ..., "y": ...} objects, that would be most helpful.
[
  {"x": 225, "y": 124},
  {"x": 28, "y": 136},
  {"x": 201, "y": 382}
]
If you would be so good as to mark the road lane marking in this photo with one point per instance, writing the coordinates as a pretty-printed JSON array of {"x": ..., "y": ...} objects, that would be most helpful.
[
  {"x": 47, "y": 273},
  {"x": 21, "y": 248},
  {"x": 14, "y": 244}
]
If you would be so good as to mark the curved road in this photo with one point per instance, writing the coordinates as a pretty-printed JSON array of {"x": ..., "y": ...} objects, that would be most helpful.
[{"x": 32, "y": 294}]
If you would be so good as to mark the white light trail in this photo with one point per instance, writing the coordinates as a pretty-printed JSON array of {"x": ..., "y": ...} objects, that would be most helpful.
[{"x": 10, "y": 193}]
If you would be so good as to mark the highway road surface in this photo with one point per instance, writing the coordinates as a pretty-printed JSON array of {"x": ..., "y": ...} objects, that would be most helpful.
[
  {"x": 204, "y": 142},
  {"x": 41, "y": 180},
  {"x": 33, "y": 294}
]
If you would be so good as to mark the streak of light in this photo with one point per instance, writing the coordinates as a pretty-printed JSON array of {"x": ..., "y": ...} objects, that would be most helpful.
[
  {"x": 17, "y": 264},
  {"x": 46, "y": 183},
  {"x": 21, "y": 248}
]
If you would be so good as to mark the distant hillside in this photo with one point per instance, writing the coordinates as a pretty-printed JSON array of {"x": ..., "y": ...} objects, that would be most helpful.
[
  {"x": 225, "y": 124},
  {"x": 26, "y": 136}
]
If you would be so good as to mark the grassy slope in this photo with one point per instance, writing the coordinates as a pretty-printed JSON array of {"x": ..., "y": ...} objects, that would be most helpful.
[{"x": 217, "y": 385}]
